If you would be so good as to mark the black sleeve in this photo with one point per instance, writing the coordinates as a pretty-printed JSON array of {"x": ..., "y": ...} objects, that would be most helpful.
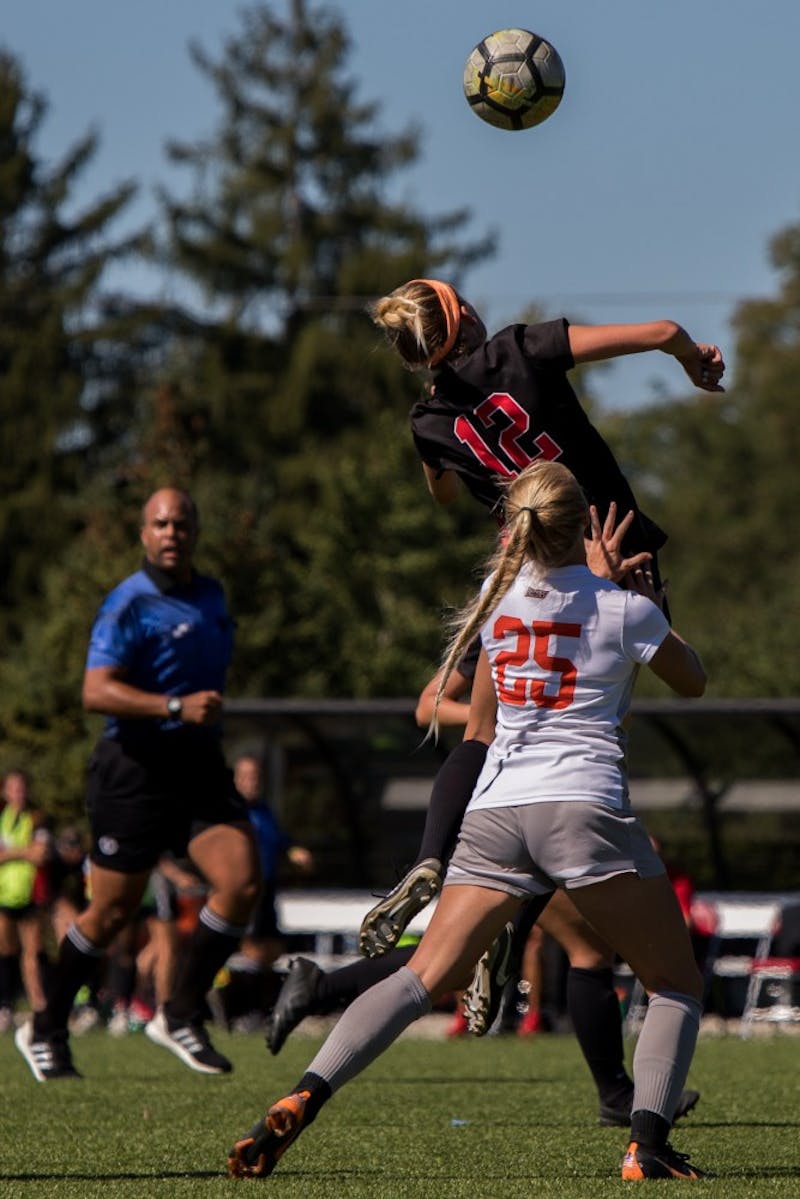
[
  {"x": 427, "y": 450},
  {"x": 547, "y": 345},
  {"x": 468, "y": 662}
]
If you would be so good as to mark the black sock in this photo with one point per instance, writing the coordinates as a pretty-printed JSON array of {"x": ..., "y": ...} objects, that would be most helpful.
[
  {"x": 451, "y": 792},
  {"x": 45, "y": 970},
  {"x": 524, "y": 921},
  {"x": 9, "y": 979},
  {"x": 338, "y": 988},
  {"x": 593, "y": 1008},
  {"x": 122, "y": 979},
  {"x": 75, "y": 965},
  {"x": 318, "y": 1094},
  {"x": 211, "y": 944},
  {"x": 649, "y": 1129}
]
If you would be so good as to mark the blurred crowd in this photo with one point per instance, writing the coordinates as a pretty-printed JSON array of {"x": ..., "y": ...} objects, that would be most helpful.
[{"x": 44, "y": 885}]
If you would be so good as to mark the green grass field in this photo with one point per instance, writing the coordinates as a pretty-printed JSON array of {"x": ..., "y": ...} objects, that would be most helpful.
[{"x": 498, "y": 1117}]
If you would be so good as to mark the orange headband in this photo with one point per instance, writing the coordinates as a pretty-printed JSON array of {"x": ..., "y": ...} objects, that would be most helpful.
[{"x": 451, "y": 307}]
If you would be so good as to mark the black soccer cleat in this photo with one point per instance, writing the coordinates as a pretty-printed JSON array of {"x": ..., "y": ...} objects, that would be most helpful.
[
  {"x": 189, "y": 1042},
  {"x": 640, "y": 1163},
  {"x": 687, "y": 1100},
  {"x": 256, "y": 1154},
  {"x": 484, "y": 995},
  {"x": 295, "y": 1001},
  {"x": 384, "y": 924},
  {"x": 48, "y": 1057},
  {"x": 618, "y": 1115}
]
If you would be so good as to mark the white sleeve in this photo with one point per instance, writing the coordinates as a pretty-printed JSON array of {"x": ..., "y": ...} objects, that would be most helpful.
[{"x": 644, "y": 628}]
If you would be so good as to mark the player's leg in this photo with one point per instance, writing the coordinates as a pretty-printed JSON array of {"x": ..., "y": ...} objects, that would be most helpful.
[
  {"x": 115, "y": 897},
  {"x": 252, "y": 985},
  {"x": 593, "y": 1008},
  {"x": 384, "y": 923},
  {"x": 592, "y": 1005},
  {"x": 310, "y": 991},
  {"x": 225, "y": 854},
  {"x": 31, "y": 939},
  {"x": 466, "y": 920},
  {"x": 641, "y": 918}
]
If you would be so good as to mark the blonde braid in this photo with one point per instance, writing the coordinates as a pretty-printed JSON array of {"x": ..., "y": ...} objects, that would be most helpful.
[{"x": 501, "y": 569}]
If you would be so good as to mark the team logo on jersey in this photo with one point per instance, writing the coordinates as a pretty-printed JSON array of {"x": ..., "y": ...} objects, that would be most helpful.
[
  {"x": 536, "y": 593},
  {"x": 181, "y": 629},
  {"x": 108, "y": 846}
]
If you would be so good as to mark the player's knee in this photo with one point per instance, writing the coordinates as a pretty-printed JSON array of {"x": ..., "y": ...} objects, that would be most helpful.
[
  {"x": 248, "y": 891},
  {"x": 686, "y": 980},
  {"x": 102, "y": 923}
]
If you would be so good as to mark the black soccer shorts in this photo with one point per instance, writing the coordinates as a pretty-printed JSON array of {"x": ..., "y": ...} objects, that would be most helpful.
[{"x": 145, "y": 801}]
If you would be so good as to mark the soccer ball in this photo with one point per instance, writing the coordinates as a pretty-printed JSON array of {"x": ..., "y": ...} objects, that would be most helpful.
[{"x": 514, "y": 79}]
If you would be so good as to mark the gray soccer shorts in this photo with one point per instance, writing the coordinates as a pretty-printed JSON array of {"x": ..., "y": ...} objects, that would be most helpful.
[{"x": 530, "y": 849}]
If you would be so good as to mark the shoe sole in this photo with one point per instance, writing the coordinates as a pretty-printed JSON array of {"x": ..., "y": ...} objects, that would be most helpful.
[
  {"x": 154, "y": 1033},
  {"x": 477, "y": 1001},
  {"x": 384, "y": 924},
  {"x": 239, "y": 1168}
]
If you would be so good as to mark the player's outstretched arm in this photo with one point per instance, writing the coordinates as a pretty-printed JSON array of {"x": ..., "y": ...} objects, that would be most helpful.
[{"x": 702, "y": 362}]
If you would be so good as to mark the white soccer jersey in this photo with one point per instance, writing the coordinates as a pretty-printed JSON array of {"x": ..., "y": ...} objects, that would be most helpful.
[{"x": 564, "y": 647}]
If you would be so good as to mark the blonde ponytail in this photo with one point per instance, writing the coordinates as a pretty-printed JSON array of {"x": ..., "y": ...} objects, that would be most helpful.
[{"x": 546, "y": 516}]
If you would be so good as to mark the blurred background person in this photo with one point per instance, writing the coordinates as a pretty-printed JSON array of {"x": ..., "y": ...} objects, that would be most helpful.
[
  {"x": 248, "y": 985},
  {"x": 25, "y": 847}
]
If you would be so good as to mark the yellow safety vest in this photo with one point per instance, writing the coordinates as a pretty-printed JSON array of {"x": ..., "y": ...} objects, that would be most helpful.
[{"x": 16, "y": 878}]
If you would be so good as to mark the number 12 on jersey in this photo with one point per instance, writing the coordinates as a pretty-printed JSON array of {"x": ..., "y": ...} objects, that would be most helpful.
[{"x": 533, "y": 641}]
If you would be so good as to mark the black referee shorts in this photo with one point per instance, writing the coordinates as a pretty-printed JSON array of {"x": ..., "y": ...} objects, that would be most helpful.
[{"x": 145, "y": 801}]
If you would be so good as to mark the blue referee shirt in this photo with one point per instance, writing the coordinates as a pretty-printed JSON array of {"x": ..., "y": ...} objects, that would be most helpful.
[
  {"x": 272, "y": 841},
  {"x": 171, "y": 640}
]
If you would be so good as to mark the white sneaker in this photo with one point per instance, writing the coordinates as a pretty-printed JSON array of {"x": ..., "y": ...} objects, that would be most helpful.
[
  {"x": 48, "y": 1057},
  {"x": 189, "y": 1042},
  {"x": 84, "y": 1020},
  {"x": 118, "y": 1024}
]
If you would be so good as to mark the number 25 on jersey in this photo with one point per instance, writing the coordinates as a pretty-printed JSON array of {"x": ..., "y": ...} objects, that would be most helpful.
[{"x": 533, "y": 641}]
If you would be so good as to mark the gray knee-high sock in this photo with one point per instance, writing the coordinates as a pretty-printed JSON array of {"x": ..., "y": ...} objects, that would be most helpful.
[
  {"x": 369, "y": 1026},
  {"x": 664, "y": 1052}
]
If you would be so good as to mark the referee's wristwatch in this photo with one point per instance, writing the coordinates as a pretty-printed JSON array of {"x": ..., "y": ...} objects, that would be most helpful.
[{"x": 175, "y": 707}]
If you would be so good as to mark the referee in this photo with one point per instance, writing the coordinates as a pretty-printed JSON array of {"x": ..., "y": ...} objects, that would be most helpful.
[{"x": 157, "y": 782}]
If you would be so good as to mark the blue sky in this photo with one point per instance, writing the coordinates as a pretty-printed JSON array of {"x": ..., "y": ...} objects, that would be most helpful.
[{"x": 652, "y": 191}]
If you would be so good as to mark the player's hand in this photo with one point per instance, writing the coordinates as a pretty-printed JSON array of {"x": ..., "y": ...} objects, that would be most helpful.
[
  {"x": 640, "y": 579},
  {"x": 705, "y": 366},
  {"x": 604, "y": 545},
  {"x": 201, "y": 707}
]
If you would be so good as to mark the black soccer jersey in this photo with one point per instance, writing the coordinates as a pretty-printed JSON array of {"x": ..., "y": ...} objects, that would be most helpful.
[{"x": 508, "y": 403}]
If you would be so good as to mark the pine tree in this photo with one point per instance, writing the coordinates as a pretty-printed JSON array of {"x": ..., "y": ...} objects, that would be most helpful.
[
  {"x": 287, "y": 233},
  {"x": 720, "y": 474},
  {"x": 51, "y": 361}
]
